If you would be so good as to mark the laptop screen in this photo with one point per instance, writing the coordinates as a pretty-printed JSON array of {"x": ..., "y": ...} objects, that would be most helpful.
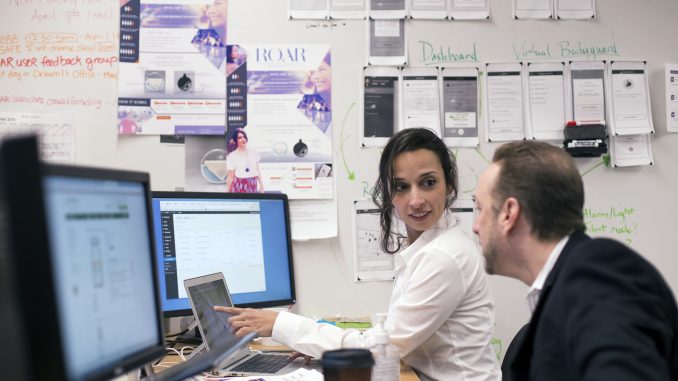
[
  {"x": 99, "y": 236},
  {"x": 214, "y": 325}
]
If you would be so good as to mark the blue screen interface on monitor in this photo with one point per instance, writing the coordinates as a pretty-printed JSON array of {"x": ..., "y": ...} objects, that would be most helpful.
[
  {"x": 105, "y": 287},
  {"x": 245, "y": 239}
]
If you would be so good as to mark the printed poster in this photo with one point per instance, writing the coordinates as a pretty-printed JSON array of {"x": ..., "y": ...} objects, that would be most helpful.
[
  {"x": 287, "y": 129},
  {"x": 370, "y": 261},
  {"x": 172, "y": 71},
  {"x": 671, "y": 80}
]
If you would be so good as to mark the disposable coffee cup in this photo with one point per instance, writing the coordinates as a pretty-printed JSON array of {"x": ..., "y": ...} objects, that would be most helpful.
[{"x": 347, "y": 365}]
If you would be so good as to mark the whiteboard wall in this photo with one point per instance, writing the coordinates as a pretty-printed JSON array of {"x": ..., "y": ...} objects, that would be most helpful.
[{"x": 636, "y": 205}]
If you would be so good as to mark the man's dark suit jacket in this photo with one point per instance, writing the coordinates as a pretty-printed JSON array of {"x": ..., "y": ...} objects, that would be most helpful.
[{"x": 605, "y": 313}]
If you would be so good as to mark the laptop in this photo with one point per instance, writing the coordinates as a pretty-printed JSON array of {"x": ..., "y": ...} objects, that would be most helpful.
[
  {"x": 207, "y": 361},
  {"x": 208, "y": 291}
]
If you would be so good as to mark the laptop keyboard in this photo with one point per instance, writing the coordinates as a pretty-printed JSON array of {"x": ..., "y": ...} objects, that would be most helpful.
[{"x": 263, "y": 363}]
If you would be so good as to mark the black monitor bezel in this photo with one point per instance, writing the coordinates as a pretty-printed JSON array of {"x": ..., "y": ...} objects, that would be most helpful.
[
  {"x": 28, "y": 257},
  {"x": 239, "y": 196},
  {"x": 157, "y": 350}
]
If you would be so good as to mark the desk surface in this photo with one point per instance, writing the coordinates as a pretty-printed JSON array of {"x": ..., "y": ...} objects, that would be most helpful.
[{"x": 406, "y": 373}]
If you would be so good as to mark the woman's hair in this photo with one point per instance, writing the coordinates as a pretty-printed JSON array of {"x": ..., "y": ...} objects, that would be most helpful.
[
  {"x": 232, "y": 144},
  {"x": 410, "y": 139}
]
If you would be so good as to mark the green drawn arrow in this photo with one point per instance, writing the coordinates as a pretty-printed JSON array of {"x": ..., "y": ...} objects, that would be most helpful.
[
  {"x": 604, "y": 162},
  {"x": 481, "y": 155},
  {"x": 351, "y": 174}
]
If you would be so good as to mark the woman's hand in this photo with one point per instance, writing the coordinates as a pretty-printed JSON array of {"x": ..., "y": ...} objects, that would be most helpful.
[
  {"x": 246, "y": 320},
  {"x": 295, "y": 354}
]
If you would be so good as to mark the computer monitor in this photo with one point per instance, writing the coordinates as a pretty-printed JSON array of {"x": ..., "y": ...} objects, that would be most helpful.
[
  {"x": 82, "y": 248},
  {"x": 102, "y": 256},
  {"x": 25, "y": 281},
  {"x": 244, "y": 236}
]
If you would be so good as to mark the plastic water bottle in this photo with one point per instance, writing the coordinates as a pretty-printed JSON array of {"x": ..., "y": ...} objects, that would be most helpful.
[{"x": 386, "y": 356}]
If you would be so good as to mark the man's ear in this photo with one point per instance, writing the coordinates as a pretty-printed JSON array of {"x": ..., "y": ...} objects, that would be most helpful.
[{"x": 509, "y": 214}]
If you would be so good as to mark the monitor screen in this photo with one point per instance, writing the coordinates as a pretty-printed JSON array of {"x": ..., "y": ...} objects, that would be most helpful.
[
  {"x": 102, "y": 256},
  {"x": 244, "y": 236}
]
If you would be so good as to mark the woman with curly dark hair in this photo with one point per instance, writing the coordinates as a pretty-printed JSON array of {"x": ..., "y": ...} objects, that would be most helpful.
[{"x": 441, "y": 313}]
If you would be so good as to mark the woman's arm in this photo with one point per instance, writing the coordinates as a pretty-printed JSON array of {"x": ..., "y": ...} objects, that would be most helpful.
[
  {"x": 297, "y": 332},
  {"x": 307, "y": 336},
  {"x": 229, "y": 180}
]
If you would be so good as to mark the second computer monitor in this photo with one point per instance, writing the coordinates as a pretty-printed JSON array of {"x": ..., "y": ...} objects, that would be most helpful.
[{"x": 244, "y": 236}]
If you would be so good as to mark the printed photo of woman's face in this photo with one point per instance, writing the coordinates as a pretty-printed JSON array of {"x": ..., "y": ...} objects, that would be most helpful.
[
  {"x": 322, "y": 78},
  {"x": 218, "y": 15},
  {"x": 242, "y": 140}
]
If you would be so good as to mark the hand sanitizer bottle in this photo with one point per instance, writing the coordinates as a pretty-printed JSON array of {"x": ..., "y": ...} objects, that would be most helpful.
[{"x": 386, "y": 356}]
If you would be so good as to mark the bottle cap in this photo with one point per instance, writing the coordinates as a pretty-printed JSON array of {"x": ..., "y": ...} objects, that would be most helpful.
[{"x": 379, "y": 332}]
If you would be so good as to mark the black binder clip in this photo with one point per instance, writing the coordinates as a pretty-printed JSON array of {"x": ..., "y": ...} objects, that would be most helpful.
[{"x": 585, "y": 139}]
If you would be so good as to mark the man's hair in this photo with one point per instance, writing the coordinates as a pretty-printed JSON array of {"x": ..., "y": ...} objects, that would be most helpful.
[{"x": 546, "y": 183}]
